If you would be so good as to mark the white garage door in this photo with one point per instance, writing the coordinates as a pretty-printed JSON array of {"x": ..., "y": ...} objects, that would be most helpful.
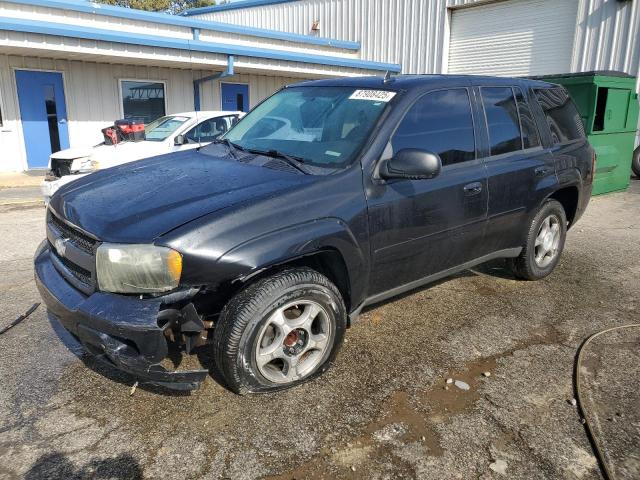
[{"x": 513, "y": 38}]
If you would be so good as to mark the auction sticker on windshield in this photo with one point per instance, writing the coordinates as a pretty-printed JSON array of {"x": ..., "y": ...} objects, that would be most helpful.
[{"x": 372, "y": 95}]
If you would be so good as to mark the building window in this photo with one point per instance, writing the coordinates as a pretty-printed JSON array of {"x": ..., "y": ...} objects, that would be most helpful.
[
  {"x": 142, "y": 101},
  {"x": 425, "y": 128}
]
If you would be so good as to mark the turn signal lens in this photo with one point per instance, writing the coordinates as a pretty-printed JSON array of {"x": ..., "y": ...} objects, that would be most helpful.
[{"x": 174, "y": 265}]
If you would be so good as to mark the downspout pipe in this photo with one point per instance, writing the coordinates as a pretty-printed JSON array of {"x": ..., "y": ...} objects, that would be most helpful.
[{"x": 196, "y": 83}]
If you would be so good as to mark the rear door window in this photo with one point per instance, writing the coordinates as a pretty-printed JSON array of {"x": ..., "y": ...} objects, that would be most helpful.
[
  {"x": 530, "y": 137},
  {"x": 502, "y": 119},
  {"x": 440, "y": 122},
  {"x": 562, "y": 115},
  {"x": 208, "y": 130}
]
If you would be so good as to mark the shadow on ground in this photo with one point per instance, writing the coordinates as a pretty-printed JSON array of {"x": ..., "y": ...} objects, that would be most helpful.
[{"x": 56, "y": 466}]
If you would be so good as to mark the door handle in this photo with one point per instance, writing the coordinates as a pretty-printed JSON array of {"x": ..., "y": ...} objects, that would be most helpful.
[
  {"x": 62, "y": 120},
  {"x": 472, "y": 188},
  {"x": 542, "y": 171}
]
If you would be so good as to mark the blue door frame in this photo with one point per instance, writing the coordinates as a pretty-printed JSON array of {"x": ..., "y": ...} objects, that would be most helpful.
[
  {"x": 235, "y": 96},
  {"x": 43, "y": 113}
]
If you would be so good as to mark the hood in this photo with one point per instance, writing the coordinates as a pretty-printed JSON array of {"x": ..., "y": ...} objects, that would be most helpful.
[
  {"x": 111, "y": 155},
  {"x": 72, "y": 153},
  {"x": 137, "y": 202}
]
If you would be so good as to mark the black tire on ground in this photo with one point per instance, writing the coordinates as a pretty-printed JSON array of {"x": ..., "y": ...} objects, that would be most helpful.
[
  {"x": 635, "y": 163},
  {"x": 525, "y": 266},
  {"x": 245, "y": 317}
]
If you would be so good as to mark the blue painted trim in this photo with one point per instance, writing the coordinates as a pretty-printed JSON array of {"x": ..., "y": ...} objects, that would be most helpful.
[
  {"x": 89, "y": 33},
  {"x": 196, "y": 83},
  {"x": 166, "y": 19},
  {"x": 232, "y": 6}
]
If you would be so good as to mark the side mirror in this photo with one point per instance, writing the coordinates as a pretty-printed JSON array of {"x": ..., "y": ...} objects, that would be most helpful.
[
  {"x": 180, "y": 140},
  {"x": 413, "y": 164}
]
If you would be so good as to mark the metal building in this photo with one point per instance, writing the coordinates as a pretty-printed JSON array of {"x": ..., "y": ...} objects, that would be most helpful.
[
  {"x": 72, "y": 67},
  {"x": 508, "y": 37},
  {"x": 495, "y": 37}
]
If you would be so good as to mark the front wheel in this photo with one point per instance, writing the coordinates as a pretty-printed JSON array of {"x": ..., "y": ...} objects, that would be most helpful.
[
  {"x": 279, "y": 332},
  {"x": 545, "y": 242}
]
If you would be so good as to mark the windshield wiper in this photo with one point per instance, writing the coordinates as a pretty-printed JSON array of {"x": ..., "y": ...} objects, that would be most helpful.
[
  {"x": 233, "y": 147},
  {"x": 295, "y": 162}
]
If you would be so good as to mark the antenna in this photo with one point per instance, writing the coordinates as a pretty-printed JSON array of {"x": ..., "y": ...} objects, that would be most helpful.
[{"x": 387, "y": 77}]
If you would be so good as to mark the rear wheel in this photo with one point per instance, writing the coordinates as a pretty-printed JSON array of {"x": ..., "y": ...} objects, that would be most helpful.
[
  {"x": 545, "y": 242},
  {"x": 281, "y": 331}
]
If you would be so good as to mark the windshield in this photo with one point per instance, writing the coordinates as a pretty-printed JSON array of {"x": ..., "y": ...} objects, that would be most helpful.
[
  {"x": 323, "y": 126},
  {"x": 161, "y": 128}
]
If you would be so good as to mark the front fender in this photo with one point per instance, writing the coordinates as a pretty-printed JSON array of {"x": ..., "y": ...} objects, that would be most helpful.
[{"x": 294, "y": 242}]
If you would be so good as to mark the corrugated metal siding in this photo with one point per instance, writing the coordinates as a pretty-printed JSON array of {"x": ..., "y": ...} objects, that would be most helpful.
[
  {"x": 115, "y": 24},
  {"x": 608, "y": 37},
  {"x": 93, "y": 101},
  {"x": 414, "y": 32},
  {"x": 410, "y": 32},
  {"x": 537, "y": 39}
]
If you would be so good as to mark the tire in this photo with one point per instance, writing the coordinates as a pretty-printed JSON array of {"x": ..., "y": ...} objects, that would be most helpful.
[
  {"x": 635, "y": 163},
  {"x": 279, "y": 332},
  {"x": 531, "y": 264}
]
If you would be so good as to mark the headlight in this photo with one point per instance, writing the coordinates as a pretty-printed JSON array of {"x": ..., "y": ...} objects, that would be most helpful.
[
  {"x": 137, "y": 268},
  {"x": 81, "y": 165}
]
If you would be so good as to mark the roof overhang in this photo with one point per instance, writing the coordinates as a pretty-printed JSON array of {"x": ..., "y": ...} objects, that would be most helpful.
[
  {"x": 233, "y": 6},
  {"x": 175, "y": 20},
  {"x": 192, "y": 46}
]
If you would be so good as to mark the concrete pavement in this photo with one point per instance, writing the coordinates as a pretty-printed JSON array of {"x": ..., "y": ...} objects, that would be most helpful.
[{"x": 384, "y": 410}]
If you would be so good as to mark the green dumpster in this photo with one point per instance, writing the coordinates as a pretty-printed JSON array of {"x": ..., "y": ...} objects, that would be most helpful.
[{"x": 608, "y": 105}]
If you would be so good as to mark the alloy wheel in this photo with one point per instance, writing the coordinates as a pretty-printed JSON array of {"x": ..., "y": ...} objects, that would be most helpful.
[
  {"x": 293, "y": 341},
  {"x": 547, "y": 241}
]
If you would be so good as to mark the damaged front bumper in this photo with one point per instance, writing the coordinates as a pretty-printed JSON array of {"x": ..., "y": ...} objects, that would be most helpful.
[{"x": 120, "y": 330}]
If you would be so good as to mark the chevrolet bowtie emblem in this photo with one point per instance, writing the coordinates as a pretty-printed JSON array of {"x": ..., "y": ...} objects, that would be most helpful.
[{"x": 61, "y": 246}]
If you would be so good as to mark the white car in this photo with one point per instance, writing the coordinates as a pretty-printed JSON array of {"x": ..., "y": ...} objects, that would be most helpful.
[{"x": 172, "y": 133}]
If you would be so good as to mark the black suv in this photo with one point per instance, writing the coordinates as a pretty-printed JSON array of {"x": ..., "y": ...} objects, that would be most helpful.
[{"x": 259, "y": 250}]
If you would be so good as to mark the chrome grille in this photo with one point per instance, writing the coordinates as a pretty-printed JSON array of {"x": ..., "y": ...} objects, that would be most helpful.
[
  {"x": 78, "y": 238},
  {"x": 77, "y": 271},
  {"x": 72, "y": 253}
]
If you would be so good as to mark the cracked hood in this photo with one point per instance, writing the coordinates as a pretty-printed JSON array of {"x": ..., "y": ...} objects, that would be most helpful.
[{"x": 139, "y": 201}]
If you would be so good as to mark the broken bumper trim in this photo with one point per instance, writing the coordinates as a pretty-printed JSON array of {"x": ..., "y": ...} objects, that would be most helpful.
[{"x": 120, "y": 330}]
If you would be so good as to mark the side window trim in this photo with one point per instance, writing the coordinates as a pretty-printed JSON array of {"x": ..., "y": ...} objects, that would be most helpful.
[
  {"x": 515, "y": 98},
  {"x": 470, "y": 97}
]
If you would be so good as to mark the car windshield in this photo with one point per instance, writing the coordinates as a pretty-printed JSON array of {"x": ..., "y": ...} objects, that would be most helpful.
[
  {"x": 321, "y": 126},
  {"x": 161, "y": 128}
]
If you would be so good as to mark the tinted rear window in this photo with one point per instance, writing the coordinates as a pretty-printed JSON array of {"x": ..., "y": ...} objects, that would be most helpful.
[
  {"x": 562, "y": 115},
  {"x": 502, "y": 119},
  {"x": 530, "y": 136}
]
